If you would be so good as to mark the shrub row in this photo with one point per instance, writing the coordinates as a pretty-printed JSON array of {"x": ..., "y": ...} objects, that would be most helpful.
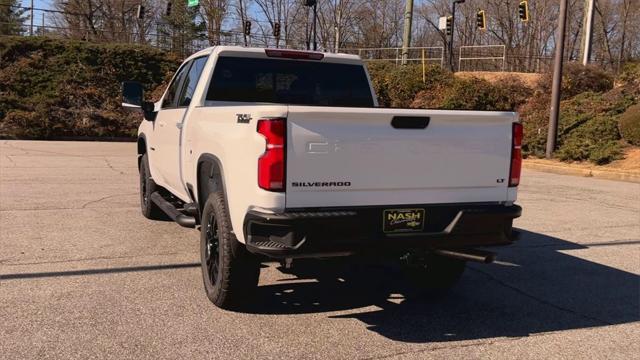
[{"x": 54, "y": 88}]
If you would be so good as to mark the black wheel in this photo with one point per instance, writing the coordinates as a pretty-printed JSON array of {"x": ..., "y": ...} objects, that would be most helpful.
[
  {"x": 147, "y": 187},
  {"x": 230, "y": 273},
  {"x": 433, "y": 272}
]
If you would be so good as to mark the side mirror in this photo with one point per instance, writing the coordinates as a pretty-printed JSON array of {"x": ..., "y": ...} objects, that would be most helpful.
[
  {"x": 149, "y": 110},
  {"x": 132, "y": 94},
  {"x": 133, "y": 98}
]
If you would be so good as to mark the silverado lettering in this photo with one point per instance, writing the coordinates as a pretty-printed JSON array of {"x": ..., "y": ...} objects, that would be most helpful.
[{"x": 321, "y": 184}]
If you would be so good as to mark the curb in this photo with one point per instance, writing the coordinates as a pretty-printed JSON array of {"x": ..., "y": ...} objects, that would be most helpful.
[{"x": 608, "y": 174}]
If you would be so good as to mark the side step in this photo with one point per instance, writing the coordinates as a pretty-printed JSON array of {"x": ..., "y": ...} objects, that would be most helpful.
[{"x": 180, "y": 218}]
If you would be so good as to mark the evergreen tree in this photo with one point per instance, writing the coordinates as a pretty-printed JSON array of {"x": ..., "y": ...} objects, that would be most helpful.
[
  {"x": 12, "y": 17},
  {"x": 183, "y": 28}
]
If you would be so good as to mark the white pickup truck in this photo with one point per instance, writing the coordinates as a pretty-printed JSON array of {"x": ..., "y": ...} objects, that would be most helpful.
[{"x": 281, "y": 154}]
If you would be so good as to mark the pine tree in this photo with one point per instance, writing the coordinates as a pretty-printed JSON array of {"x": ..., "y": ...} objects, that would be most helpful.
[
  {"x": 182, "y": 27},
  {"x": 11, "y": 17}
]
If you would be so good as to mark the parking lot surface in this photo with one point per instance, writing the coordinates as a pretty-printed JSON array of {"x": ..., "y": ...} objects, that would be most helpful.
[{"x": 84, "y": 275}]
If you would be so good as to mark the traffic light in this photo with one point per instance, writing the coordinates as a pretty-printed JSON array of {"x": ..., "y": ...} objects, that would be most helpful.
[
  {"x": 449, "y": 24},
  {"x": 481, "y": 20},
  {"x": 309, "y": 2},
  {"x": 247, "y": 27},
  {"x": 276, "y": 30},
  {"x": 168, "y": 12},
  {"x": 140, "y": 12},
  {"x": 523, "y": 10}
]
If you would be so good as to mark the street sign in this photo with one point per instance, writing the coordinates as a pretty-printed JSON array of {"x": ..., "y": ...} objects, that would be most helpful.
[
  {"x": 191, "y": 3},
  {"x": 442, "y": 23}
]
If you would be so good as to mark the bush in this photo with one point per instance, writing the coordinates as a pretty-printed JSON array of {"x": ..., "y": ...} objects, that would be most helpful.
[
  {"x": 474, "y": 94},
  {"x": 577, "y": 79},
  {"x": 535, "y": 119},
  {"x": 630, "y": 125},
  {"x": 55, "y": 88},
  {"x": 587, "y": 128},
  {"x": 606, "y": 152},
  {"x": 397, "y": 86},
  {"x": 630, "y": 73},
  {"x": 589, "y": 138}
]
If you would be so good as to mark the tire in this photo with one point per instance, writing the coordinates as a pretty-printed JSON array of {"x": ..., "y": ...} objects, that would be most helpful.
[
  {"x": 147, "y": 187},
  {"x": 433, "y": 272},
  {"x": 230, "y": 273}
]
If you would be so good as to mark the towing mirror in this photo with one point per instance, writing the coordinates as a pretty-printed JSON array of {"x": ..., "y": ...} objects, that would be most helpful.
[
  {"x": 132, "y": 94},
  {"x": 132, "y": 98}
]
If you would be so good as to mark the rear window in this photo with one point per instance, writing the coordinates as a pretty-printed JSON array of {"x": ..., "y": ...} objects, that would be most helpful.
[{"x": 289, "y": 82}]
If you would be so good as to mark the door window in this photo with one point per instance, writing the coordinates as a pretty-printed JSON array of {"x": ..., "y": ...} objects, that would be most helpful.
[
  {"x": 191, "y": 81},
  {"x": 169, "y": 99}
]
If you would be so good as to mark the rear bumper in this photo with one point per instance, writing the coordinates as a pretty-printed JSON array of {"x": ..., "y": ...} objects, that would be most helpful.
[{"x": 353, "y": 230}]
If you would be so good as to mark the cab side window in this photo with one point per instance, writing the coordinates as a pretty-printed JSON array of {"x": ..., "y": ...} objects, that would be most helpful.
[
  {"x": 191, "y": 81},
  {"x": 169, "y": 100}
]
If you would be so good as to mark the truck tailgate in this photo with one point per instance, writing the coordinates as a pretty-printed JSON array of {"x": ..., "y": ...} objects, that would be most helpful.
[{"x": 339, "y": 157}]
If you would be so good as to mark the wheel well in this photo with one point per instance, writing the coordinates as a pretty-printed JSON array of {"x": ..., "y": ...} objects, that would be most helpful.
[
  {"x": 142, "y": 149},
  {"x": 209, "y": 179},
  {"x": 142, "y": 146}
]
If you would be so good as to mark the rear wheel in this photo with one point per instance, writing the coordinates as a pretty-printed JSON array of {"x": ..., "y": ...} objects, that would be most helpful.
[
  {"x": 147, "y": 187},
  {"x": 230, "y": 273},
  {"x": 433, "y": 272}
]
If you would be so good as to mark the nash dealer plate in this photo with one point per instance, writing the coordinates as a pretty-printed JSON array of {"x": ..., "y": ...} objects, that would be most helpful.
[{"x": 402, "y": 220}]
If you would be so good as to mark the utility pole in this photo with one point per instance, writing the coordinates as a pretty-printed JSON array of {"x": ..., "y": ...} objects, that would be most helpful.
[
  {"x": 406, "y": 38},
  {"x": 557, "y": 81},
  {"x": 587, "y": 34},
  {"x": 31, "y": 20}
]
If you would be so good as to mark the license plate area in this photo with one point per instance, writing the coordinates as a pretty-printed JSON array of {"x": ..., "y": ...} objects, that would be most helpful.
[{"x": 403, "y": 220}]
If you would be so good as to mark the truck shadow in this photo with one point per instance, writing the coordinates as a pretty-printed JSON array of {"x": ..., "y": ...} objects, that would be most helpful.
[{"x": 536, "y": 288}]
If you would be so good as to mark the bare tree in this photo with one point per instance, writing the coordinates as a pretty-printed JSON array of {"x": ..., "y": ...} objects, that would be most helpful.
[{"x": 214, "y": 12}]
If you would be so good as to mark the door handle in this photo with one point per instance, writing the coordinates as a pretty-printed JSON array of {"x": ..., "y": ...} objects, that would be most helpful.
[
  {"x": 179, "y": 125},
  {"x": 410, "y": 122}
]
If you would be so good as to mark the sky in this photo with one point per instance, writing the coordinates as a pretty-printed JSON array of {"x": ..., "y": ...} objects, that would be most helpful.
[{"x": 37, "y": 15}]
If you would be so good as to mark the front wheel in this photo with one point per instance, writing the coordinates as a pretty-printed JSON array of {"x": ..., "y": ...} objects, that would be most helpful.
[{"x": 230, "y": 273}]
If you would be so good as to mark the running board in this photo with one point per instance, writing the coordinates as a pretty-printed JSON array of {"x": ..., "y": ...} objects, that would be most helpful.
[{"x": 168, "y": 208}]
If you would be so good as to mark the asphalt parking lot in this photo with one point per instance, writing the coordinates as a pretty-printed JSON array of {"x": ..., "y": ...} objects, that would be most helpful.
[{"x": 84, "y": 275}]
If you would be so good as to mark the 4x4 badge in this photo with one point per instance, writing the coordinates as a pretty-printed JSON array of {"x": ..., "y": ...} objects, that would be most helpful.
[{"x": 243, "y": 118}]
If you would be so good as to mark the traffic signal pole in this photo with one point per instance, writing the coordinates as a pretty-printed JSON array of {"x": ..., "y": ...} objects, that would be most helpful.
[
  {"x": 315, "y": 26},
  {"x": 453, "y": 22},
  {"x": 557, "y": 81},
  {"x": 453, "y": 26},
  {"x": 31, "y": 20}
]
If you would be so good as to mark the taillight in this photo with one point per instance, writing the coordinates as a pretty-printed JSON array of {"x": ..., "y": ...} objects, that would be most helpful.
[
  {"x": 516, "y": 155},
  {"x": 271, "y": 163}
]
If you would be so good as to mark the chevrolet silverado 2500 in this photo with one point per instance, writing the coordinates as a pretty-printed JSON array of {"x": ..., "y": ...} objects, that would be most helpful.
[{"x": 281, "y": 154}]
